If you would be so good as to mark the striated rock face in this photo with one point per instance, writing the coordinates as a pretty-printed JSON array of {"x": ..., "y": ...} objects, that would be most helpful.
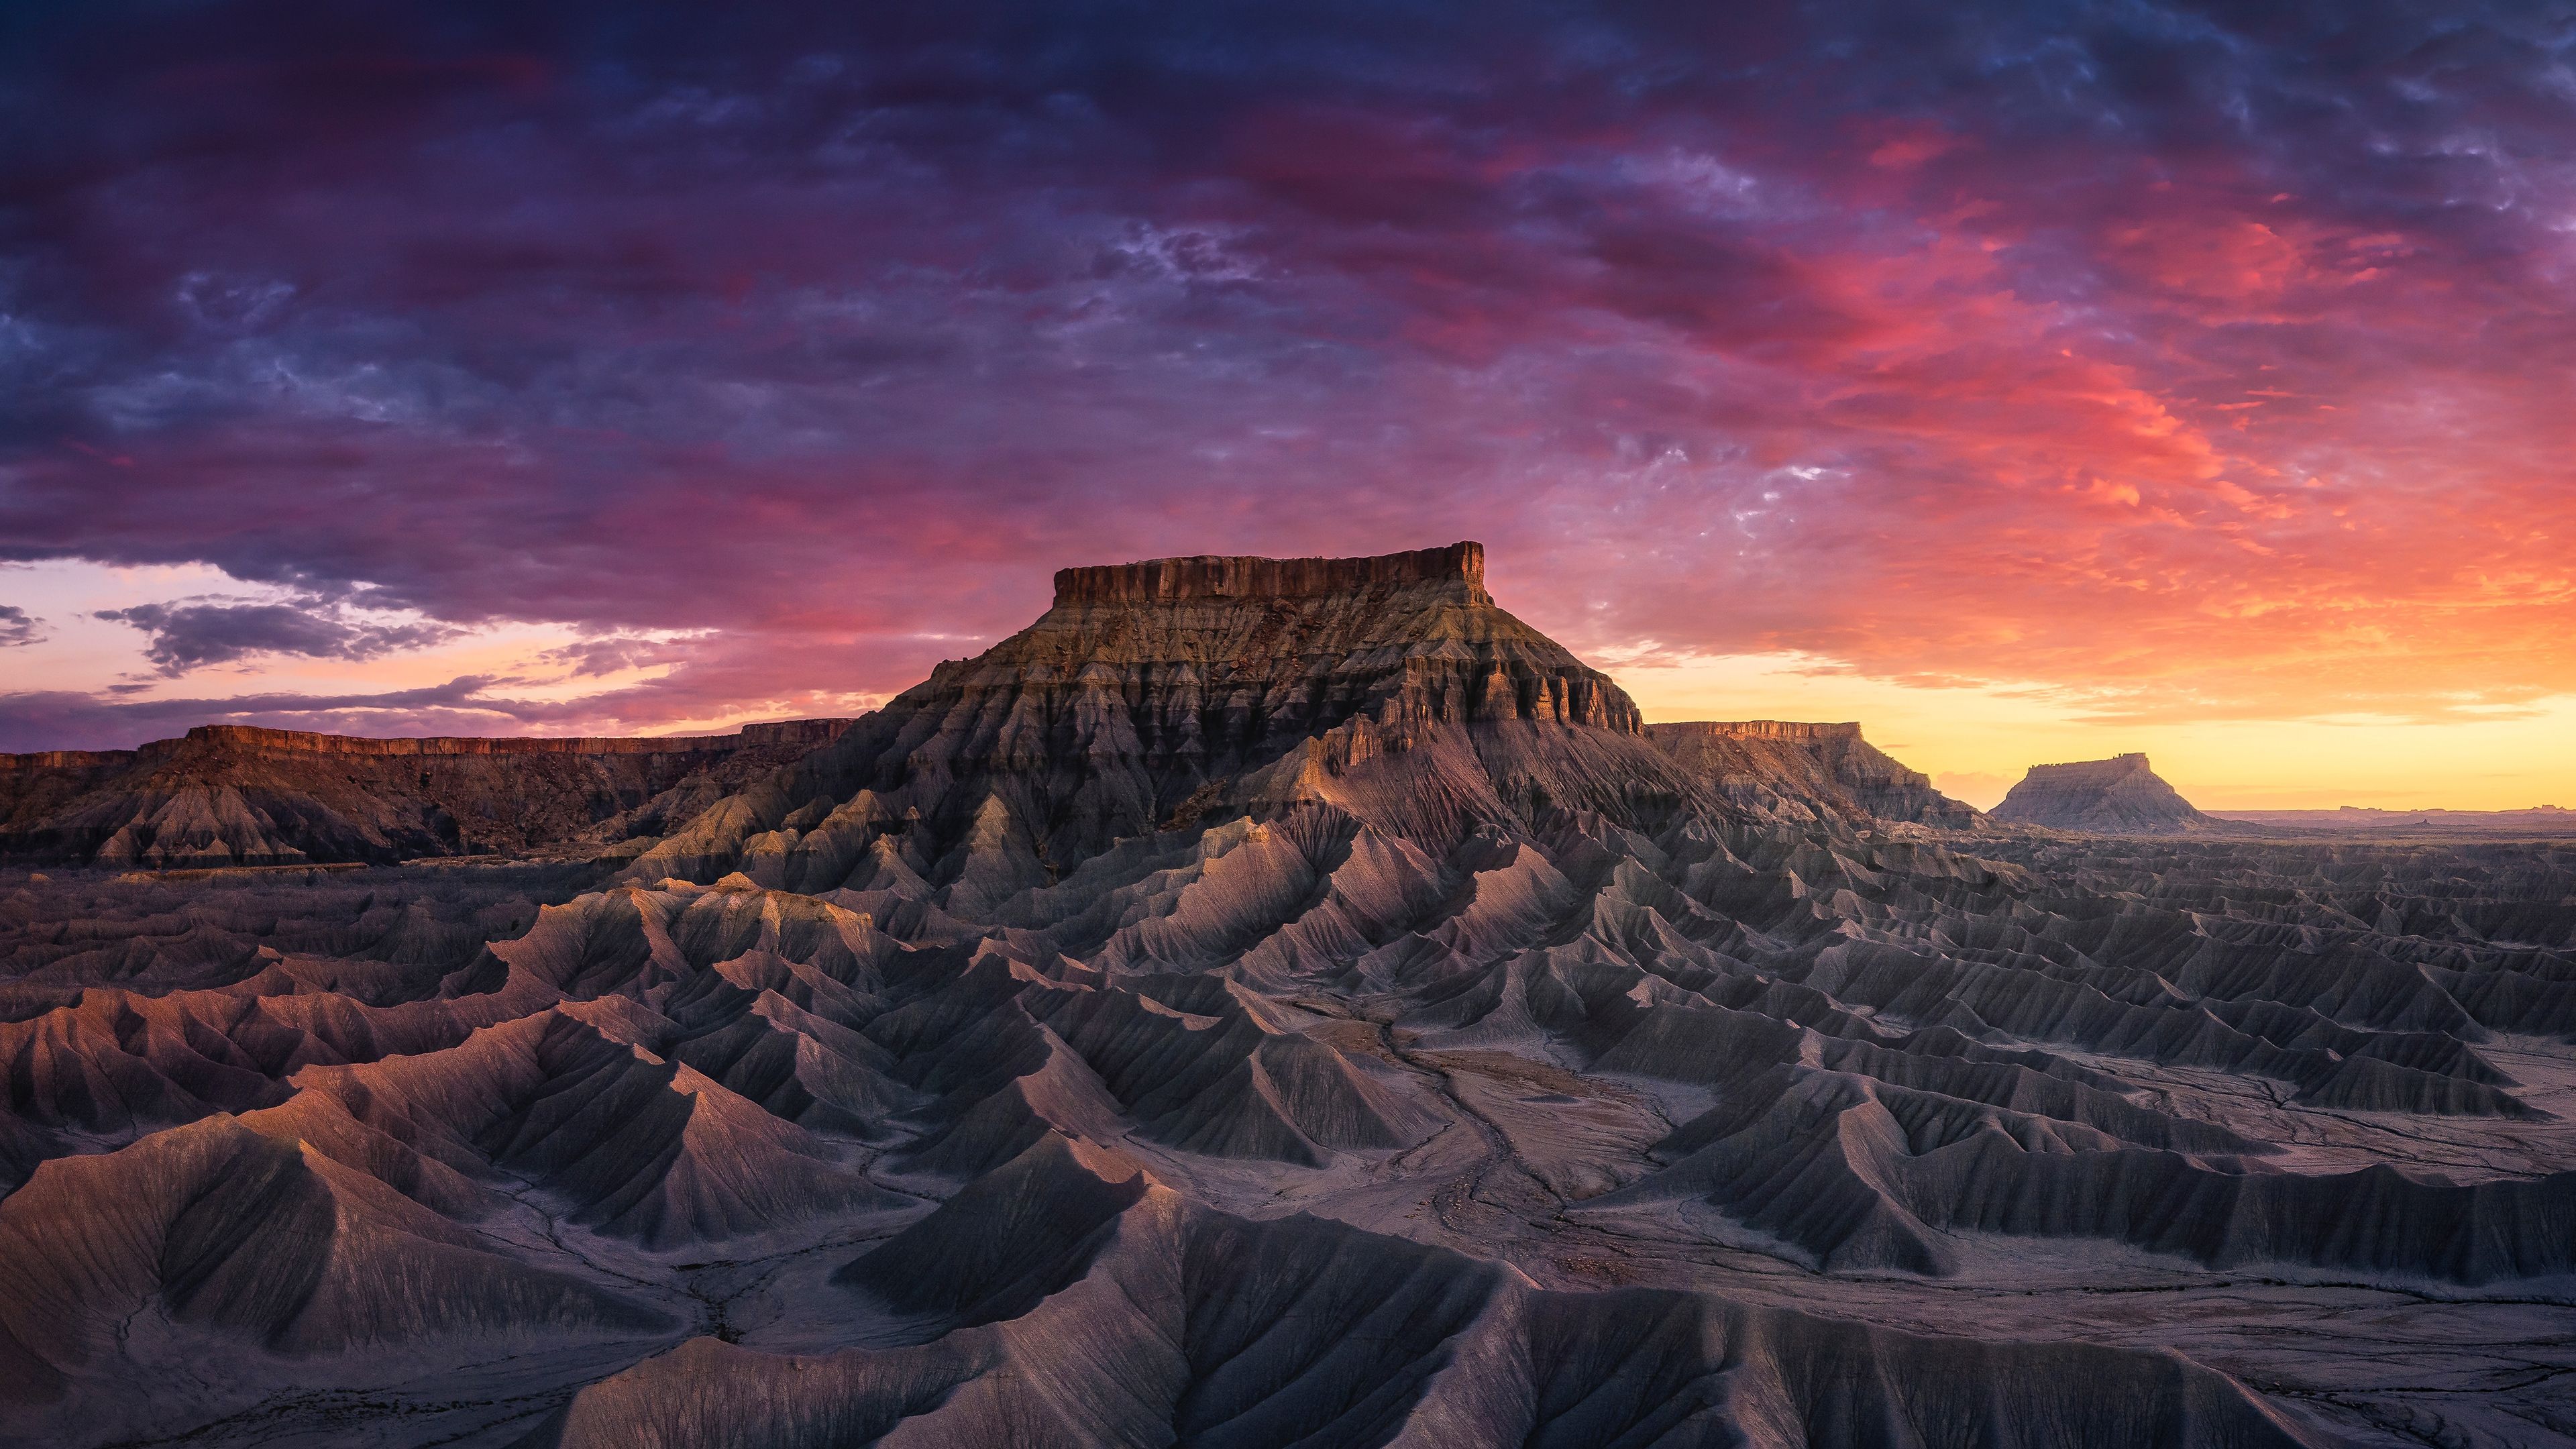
[
  {"x": 1827, "y": 770},
  {"x": 1154, "y": 694},
  {"x": 1238, "y": 576},
  {"x": 228, "y": 795},
  {"x": 2118, "y": 796}
]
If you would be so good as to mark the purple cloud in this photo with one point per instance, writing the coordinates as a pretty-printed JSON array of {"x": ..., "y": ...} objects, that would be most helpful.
[
  {"x": 2076, "y": 344},
  {"x": 187, "y": 635}
]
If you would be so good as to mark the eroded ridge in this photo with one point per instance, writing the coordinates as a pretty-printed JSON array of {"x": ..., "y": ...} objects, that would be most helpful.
[
  {"x": 1795, "y": 770},
  {"x": 1129, "y": 1037},
  {"x": 228, "y": 796}
]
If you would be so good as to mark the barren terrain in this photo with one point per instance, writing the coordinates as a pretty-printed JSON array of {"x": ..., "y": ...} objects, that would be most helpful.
[{"x": 1275, "y": 1002}]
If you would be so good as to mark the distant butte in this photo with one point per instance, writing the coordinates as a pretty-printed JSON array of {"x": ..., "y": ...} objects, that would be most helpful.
[{"x": 2117, "y": 796}]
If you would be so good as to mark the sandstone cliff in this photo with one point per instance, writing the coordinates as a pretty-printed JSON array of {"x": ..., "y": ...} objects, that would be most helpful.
[
  {"x": 1793, "y": 769},
  {"x": 226, "y": 795},
  {"x": 2118, "y": 796}
]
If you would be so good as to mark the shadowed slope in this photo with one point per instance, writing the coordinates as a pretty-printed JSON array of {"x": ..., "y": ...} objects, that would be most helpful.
[
  {"x": 239, "y": 1231},
  {"x": 1131, "y": 1317}
]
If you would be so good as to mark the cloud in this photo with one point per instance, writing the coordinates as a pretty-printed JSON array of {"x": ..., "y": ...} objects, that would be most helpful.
[
  {"x": 185, "y": 636},
  {"x": 2207, "y": 357},
  {"x": 614, "y": 654},
  {"x": 16, "y": 628},
  {"x": 474, "y": 705}
]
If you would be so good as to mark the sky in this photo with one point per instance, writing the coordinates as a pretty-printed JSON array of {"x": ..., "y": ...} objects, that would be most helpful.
[{"x": 2030, "y": 382}]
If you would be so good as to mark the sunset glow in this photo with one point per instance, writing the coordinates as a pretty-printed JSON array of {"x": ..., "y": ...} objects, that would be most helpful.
[{"x": 2156, "y": 377}]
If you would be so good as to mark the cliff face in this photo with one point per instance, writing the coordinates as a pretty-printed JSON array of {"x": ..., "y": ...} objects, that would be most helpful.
[
  {"x": 1391, "y": 687},
  {"x": 1827, "y": 770},
  {"x": 232, "y": 795},
  {"x": 1228, "y": 656},
  {"x": 2119, "y": 796},
  {"x": 1459, "y": 568}
]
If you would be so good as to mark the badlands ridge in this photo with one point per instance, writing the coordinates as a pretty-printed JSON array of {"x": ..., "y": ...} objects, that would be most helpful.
[{"x": 1263, "y": 1002}]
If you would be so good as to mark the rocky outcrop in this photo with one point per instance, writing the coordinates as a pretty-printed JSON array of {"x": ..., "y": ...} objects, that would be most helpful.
[
  {"x": 1156, "y": 694},
  {"x": 229, "y": 795},
  {"x": 1825, "y": 770},
  {"x": 2118, "y": 796}
]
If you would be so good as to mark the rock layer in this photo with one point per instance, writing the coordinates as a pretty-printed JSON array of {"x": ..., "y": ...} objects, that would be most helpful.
[{"x": 1220, "y": 576}]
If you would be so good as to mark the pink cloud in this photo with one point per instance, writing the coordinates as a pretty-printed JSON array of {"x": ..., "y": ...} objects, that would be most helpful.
[{"x": 1895, "y": 348}]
